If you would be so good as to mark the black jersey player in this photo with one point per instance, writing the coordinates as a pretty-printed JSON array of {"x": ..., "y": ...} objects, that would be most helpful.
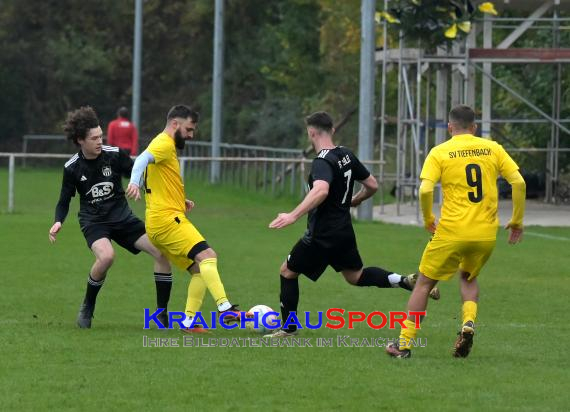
[
  {"x": 95, "y": 172},
  {"x": 329, "y": 238}
]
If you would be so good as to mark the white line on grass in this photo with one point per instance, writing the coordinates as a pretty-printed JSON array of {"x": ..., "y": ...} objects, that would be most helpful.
[{"x": 542, "y": 235}]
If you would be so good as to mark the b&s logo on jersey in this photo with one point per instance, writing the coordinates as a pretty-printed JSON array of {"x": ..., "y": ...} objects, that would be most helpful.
[
  {"x": 107, "y": 171},
  {"x": 101, "y": 189}
]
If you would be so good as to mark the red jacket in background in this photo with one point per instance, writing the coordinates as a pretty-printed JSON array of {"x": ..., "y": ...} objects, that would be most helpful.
[{"x": 122, "y": 133}]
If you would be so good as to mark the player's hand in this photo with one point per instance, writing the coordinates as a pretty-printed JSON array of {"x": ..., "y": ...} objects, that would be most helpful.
[
  {"x": 516, "y": 233},
  {"x": 133, "y": 192},
  {"x": 355, "y": 202},
  {"x": 282, "y": 220},
  {"x": 53, "y": 231},
  {"x": 189, "y": 205},
  {"x": 431, "y": 225}
]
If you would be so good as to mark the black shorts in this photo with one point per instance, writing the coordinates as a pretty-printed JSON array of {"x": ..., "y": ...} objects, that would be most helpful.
[
  {"x": 312, "y": 259},
  {"x": 125, "y": 233}
]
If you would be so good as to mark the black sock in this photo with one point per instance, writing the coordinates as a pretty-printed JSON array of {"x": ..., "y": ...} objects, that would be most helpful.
[
  {"x": 289, "y": 299},
  {"x": 93, "y": 287},
  {"x": 163, "y": 283},
  {"x": 373, "y": 276}
]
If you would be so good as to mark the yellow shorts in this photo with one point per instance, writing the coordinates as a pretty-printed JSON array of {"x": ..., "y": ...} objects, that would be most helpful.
[
  {"x": 174, "y": 237},
  {"x": 442, "y": 258}
]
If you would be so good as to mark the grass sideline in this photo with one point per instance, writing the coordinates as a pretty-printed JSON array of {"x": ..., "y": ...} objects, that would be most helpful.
[{"x": 518, "y": 360}]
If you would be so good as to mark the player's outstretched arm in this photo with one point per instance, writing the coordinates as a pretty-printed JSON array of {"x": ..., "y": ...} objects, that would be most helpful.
[
  {"x": 426, "y": 203},
  {"x": 315, "y": 197},
  {"x": 133, "y": 189},
  {"x": 369, "y": 187},
  {"x": 518, "y": 186},
  {"x": 54, "y": 231}
]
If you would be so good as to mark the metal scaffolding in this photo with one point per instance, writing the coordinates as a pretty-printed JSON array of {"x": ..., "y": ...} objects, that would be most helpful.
[{"x": 419, "y": 126}]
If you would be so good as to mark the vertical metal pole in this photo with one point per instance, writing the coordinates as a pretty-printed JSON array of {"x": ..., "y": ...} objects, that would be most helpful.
[
  {"x": 427, "y": 121},
  {"x": 283, "y": 174},
  {"x": 11, "y": 171},
  {"x": 302, "y": 178},
  {"x": 486, "y": 85},
  {"x": 416, "y": 176},
  {"x": 456, "y": 79},
  {"x": 400, "y": 113},
  {"x": 383, "y": 107},
  {"x": 556, "y": 146},
  {"x": 552, "y": 156},
  {"x": 292, "y": 183},
  {"x": 366, "y": 110},
  {"x": 441, "y": 100},
  {"x": 273, "y": 176},
  {"x": 246, "y": 174},
  {"x": 217, "y": 88},
  {"x": 469, "y": 84},
  {"x": 441, "y": 82},
  {"x": 137, "y": 63},
  {"x": 24, "y": 149},
  {"x": 264, "y": 176}
]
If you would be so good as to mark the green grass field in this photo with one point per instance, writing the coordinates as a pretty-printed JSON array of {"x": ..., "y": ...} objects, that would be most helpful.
[{"x": 518, "y": 362}]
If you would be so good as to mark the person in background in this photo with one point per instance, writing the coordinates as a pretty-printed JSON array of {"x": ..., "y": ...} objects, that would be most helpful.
[{"x": 122, "y": 133}]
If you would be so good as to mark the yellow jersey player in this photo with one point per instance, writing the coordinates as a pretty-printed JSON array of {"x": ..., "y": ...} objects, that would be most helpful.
[
  {"x": 166, "y": 223},
  {"x": 464, "y": 237}
]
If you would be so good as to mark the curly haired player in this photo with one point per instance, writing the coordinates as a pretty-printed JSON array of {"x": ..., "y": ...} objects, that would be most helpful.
[{"x": 95, "y": 173}]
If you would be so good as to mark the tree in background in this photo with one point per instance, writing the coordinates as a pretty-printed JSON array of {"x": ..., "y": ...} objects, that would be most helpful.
[{"x": 283, "y": 59}]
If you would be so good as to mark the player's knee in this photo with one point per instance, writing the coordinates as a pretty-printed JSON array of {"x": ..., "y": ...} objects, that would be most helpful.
[
  {"x": 465, "y": 276},
  {"x": 352, "y": 277},
  {"x": 425, "y": 284},
  {"x": 286, "y": 272},
  {"x": 206, "y": 254},
  {"x": 351, "y": 281},
  {"x": 155, "y": 253},
  {"x": 161, "y": 259},
  {"x": 106, "y": 258}
]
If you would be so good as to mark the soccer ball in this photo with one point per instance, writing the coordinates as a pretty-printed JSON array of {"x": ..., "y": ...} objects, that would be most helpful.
[{"x": 261, "y": 310}]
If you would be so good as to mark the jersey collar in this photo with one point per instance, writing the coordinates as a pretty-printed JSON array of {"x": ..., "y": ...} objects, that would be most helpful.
[
  {"x": 463, "y": 136},
  {"x": 81, "y": 156}
]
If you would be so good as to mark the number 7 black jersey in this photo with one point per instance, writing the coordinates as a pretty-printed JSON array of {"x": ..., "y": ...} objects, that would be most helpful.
[
  {"x": 330, "y": 223},
  {"x": 98, "y": 182}
]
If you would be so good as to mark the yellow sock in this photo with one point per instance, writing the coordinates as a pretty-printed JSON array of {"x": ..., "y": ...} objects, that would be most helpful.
[
  {"x": 211, "y": 277},
  {"x": 407, "y": 334},
  {"x": 469, "y": 311},
  {"x": 196, "y": 292}
]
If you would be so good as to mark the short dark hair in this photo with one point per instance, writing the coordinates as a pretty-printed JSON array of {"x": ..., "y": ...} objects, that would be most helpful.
[
  {"x": 182, "y": 111},
  {"x": 79, "y": 122},
  {"x": 320, "y": 120},
  {"x": 123, "y": 112},
  {"x": 462, "y": 115}
]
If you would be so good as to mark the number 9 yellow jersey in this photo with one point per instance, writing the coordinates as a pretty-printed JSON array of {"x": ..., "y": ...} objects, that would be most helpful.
[{"x": 468, "y": 167}]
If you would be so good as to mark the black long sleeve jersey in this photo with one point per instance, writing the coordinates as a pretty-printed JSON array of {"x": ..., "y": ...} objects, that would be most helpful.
[{"x": 98, "y": 182}]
